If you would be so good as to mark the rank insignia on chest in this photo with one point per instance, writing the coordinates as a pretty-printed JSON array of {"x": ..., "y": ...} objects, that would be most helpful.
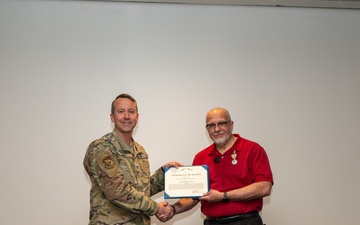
[{"x": 108, "y": 162}]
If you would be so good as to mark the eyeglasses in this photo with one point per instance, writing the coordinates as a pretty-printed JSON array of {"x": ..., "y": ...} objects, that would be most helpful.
[{"x": 221, "y": 125}]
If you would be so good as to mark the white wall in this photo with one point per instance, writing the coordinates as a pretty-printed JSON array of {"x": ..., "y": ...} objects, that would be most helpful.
[{"x": 289, "y": 76}]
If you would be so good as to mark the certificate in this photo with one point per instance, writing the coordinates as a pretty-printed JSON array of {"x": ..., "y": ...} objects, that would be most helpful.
[{"x": 186, "y": 181}]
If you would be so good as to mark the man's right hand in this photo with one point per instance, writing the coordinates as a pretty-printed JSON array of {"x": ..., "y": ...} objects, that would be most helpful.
[{"x": 165, "y": 211}]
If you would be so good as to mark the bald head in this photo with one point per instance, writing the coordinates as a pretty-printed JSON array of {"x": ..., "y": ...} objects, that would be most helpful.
[
  {"x": 220, "y": 127},
  {"x": 218, "y": 113}
]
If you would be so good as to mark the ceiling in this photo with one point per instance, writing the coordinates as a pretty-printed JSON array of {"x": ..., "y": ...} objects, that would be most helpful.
[{"x": 346, "y": 4}]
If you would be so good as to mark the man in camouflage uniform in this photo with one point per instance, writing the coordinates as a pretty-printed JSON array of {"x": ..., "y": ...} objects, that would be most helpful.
[{"x": 119, "y": 171}]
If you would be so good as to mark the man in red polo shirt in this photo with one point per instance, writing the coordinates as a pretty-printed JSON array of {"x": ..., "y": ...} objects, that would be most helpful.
[{"x": 240, "y": 176}]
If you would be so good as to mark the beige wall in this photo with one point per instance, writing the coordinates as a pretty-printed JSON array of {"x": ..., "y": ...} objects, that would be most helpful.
[{"x": 289, "y": 76}]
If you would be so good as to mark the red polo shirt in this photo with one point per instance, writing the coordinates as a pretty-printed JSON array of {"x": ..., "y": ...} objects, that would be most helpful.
[{"x": 252, "y": 166}]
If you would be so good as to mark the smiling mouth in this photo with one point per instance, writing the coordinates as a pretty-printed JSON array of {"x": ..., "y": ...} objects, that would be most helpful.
[{"x": 218, "y": 134}]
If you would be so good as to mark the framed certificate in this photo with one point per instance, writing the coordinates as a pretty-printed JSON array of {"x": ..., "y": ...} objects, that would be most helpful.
[{"x": 186, "y": 181}]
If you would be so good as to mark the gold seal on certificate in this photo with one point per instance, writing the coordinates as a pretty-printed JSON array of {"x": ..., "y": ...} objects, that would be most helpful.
[{"x": 186, "y": 181}]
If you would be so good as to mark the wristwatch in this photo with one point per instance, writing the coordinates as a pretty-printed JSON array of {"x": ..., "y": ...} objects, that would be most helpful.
[{"x": 225, "y": 198}]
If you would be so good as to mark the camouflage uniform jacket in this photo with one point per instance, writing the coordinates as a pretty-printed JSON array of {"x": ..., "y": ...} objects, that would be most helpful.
[{"x": 121, "y": 182}]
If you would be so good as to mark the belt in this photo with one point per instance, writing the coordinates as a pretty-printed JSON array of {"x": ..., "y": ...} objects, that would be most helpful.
[{"x": 230, "y": 219}]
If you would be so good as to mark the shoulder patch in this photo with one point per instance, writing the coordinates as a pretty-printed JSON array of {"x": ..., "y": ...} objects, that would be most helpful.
[{"x": 108, "y": 162}]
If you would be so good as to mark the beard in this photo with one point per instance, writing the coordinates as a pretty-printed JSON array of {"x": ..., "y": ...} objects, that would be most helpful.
[{"x": 221, "y": 140}]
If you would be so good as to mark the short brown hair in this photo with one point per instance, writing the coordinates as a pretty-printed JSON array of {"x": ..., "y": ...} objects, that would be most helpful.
[{"x": 124, "y": 95}]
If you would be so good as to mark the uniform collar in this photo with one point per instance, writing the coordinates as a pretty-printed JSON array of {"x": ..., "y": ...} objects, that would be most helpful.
[{"x": 123, "y": 144}]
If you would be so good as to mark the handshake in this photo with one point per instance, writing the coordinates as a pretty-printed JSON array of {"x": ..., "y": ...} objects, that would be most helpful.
[{"x": 165, "y": 211}]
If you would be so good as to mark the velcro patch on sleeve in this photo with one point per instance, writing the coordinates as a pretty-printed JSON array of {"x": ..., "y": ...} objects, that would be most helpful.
[{"x": 108, "y": 164}]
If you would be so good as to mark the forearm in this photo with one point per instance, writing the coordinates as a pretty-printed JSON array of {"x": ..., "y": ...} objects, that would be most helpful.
[
  {"x": 127, "y": 197},
  {"x": 158, "y": 178},
  {"x": 185, "y": 204},
  {"x": 157, "y": 182},
  {"x": 253, "y": 191}
]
